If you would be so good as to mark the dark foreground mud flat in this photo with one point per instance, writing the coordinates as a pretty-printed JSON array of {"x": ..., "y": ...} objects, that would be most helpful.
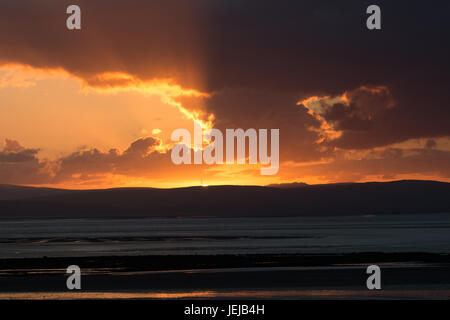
[{"x": 404, "y": 276}]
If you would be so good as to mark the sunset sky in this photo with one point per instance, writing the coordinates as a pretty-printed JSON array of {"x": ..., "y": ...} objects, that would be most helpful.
[{"x": 95, "y": 107}]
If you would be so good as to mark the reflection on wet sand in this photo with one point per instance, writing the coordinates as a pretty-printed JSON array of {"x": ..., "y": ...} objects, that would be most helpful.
[{"x": 270, "y": 294}]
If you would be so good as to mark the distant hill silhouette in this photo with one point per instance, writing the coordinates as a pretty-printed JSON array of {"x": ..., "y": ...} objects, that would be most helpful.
[
  {"x": 11, "y": 192},
  {"x": 289, "y": 185},
  {"x": 228, "y": 201}
]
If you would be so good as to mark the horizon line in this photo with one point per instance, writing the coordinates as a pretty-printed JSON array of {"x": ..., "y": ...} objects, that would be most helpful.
[{"x": 272, "y": 185}]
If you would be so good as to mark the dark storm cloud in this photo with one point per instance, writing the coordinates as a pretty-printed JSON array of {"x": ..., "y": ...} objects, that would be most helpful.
[
  {"x": 250, "y": 108},
  {"x": 145, "y": 38},
  {"x": 306, "y": 48},
  {"x": 285, "y": 49},
  {"x": 409, "y": 115}
]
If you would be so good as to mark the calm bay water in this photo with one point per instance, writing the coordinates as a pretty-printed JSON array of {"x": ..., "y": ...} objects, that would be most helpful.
[{"x": 96, "y": 237}]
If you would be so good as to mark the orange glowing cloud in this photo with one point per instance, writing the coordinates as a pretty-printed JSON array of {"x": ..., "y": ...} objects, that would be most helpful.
[
  {"x": 314, "y": 104},
  {"x": 24, "y": 76}
]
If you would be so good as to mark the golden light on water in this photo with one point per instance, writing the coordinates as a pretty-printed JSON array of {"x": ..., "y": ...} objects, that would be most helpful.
[{"x": 267, "y": 294}]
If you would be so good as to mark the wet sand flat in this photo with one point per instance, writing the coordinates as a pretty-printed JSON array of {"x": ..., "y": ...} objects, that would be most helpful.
[{"x": 320, "y": 277}]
